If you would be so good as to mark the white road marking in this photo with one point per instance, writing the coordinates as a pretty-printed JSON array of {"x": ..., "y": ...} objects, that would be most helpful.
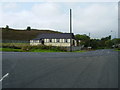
[{"x": 4, "y": 77}]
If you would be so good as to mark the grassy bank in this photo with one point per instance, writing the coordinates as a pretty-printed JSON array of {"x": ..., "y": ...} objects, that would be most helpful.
[
  {"x": 81, "y": 51},
  {"x": 26, "y": 47},
  {"x": 117, "y": 49},
  {"x": 11, "y": 50},
  {"x": 43, "y": 50},
  {"x": 14, "y": 34},
  {"x": 34, "y": 50}
]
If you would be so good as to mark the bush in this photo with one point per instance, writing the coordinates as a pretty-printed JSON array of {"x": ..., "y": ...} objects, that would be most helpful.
[
  {"x": 55, "y": 48},
  {"x": 27, "y": 47}
]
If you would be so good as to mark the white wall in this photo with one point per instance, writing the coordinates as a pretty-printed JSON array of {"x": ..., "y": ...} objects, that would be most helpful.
[
  {"x": 53, "y": 43},
  {"x": 57, "y": 44},
  {"x": 35, "y": 42}
]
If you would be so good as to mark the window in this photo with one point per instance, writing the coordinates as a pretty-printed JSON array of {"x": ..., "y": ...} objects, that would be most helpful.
[
  {"x": 31, "y": 41},
  {"x": 65, "y": 40},
  {"x": 58, "y": 40},
  {"x": 50, "y": 40},
  {"x": 35, "y": 41}
]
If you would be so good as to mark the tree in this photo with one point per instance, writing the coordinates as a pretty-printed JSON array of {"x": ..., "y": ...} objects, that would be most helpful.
[
  {"x": 116, "y": 40},
  {"x": 108, "y": 43},
  {"x": 103, "y": 40},
  {"x": 7, "y": 27},
  {"x": 94, "y": 43},
  {"x": 28, "y": 28},
  {"x": 106, "y": 38},
  {"x": 84, "y": 39}
]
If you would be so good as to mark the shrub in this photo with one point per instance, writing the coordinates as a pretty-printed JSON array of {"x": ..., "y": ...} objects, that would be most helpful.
[
  {"x": 57, "y": 48},
  {"x": 27, "y": 47}
]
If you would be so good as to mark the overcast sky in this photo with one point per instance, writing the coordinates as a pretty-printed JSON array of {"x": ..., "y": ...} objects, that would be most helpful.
[{"x": 97, "y": 18}]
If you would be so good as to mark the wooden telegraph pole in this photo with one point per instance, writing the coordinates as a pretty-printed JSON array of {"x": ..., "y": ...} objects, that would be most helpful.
[{"x": 71, "y": 30}]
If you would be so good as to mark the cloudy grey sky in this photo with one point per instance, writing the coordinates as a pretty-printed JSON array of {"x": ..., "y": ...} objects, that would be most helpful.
[{"x": 97, "y": 18}]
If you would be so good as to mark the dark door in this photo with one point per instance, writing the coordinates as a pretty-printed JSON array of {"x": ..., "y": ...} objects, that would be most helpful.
[
  {"x": 73, "y": 44},
  {"x": 42, "y": 41}
]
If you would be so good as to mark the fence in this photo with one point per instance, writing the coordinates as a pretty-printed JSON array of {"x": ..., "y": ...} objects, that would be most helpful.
[{"x": 14, "y": 41}]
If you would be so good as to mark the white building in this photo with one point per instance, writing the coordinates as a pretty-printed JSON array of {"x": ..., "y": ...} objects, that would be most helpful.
[{"x": 54, "y": 39}]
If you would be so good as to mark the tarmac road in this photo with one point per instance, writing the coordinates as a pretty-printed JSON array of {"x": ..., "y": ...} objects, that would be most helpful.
[{"x": 94, "y": 69}]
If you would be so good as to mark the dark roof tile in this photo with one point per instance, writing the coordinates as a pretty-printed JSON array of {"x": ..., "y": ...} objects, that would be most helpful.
[{"x": 55, "y": 36}]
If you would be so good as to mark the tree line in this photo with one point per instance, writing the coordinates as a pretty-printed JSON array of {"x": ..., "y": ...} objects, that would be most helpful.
[{"x": 104, "y": 42}]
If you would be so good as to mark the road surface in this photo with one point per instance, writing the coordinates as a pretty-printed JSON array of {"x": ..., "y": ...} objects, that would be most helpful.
[{"x": 94, "y": 69}]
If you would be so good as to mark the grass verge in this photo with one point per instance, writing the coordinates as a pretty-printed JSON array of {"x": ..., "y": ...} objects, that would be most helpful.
[
  {"x": 34, "y": 50},
  {"x": 11, "y": 50},
  {"x": 44, "y": 50},
  {"x": 117, "y": 50},
  {"x": 80, "y": 51}
]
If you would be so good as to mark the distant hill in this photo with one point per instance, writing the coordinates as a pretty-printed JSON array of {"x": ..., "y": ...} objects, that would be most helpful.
[{"x": 13, "y": 34}]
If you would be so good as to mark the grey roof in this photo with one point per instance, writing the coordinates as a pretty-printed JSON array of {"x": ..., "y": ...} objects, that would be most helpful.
[{"x": 55, "y": 36}]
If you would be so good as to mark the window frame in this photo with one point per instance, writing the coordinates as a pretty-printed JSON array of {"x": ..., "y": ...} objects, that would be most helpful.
[
  {"x": 50, "y": 40},
  {"x": 65, "y": 40},
  {"x": 57, "y": 40}
]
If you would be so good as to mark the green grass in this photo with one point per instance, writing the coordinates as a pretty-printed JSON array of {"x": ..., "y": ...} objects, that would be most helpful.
[
  {"x": 11, "y": 50},
  {"x": 44, "y": 50},
  {"x": 117, "y": 50},
  {"x": 25, "y": 47},
  {"x": 33, "y": 50},
  {"x": 80, "y": 51}
]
